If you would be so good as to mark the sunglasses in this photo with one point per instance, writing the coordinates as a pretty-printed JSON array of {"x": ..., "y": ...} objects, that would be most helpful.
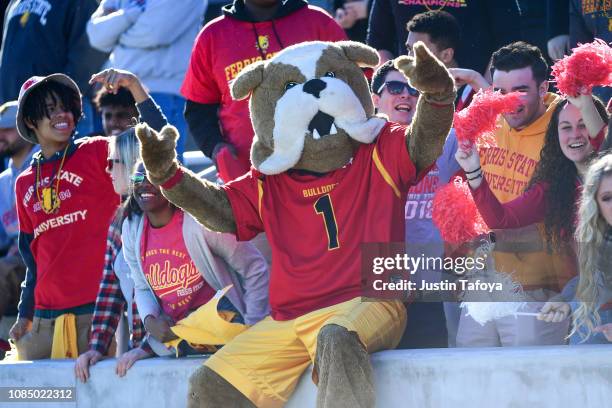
[
  {"x": 110, "y": 163},
  {"x": 397, "y": 87},
  {"x": 138, "y": 178}
]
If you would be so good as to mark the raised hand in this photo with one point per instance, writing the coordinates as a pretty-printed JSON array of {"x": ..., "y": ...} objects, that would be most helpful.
[
  {"x": 590, "y": 115},
  {"x": 158, "y": 152},
  {"x": 112, "y": 79},
  {"x": 469, "y": 160},
  {"x": 581, "y": 100},
  {"x": 464, "y": 76}
]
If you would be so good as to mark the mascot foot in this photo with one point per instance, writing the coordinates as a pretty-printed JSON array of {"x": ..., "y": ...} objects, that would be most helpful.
[
  {"x": 208, "y": 389},
  {"x": 344, "y": 370}
]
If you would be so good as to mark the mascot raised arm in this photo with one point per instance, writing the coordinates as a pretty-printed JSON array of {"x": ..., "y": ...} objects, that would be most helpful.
[{"x": 327, "y": 176}]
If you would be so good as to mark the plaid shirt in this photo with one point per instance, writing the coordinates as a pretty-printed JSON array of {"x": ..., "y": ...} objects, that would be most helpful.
[{"x": 110, "y": 302}]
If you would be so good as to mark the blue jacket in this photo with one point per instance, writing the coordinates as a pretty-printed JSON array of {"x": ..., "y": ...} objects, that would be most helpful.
[{"x": 9, "y": 225}]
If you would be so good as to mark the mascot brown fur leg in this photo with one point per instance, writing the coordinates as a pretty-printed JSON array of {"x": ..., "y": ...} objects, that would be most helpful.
[
  {"x": 208, "y": 389},
  {"x": 344, "y": 370}
]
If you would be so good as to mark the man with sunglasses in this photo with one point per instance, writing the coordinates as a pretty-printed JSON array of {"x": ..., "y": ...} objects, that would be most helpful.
[{"x": 392, "y": 96}]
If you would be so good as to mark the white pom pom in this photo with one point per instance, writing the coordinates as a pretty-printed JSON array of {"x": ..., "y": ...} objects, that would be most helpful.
[
  {"x": 483, "y": 312},
  {"x": 485, "y": 306}
]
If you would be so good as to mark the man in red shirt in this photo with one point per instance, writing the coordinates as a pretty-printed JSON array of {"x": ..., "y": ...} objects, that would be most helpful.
[
  {"x": 65, "y": 202},
  {"x": 248, "y": 31}
]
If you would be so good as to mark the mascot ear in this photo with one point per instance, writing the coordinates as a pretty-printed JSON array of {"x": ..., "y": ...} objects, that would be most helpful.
[
  {"x": 248, "y": 79},
  {"x": 359, "y": 53}
]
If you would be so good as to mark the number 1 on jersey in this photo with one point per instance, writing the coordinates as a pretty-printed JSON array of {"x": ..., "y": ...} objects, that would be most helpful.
[{"x": 324, "y": 207}]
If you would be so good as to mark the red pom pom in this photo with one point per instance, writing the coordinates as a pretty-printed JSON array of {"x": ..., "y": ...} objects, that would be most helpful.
[
  {"x": 476, "y": 123},
  {"x": 589, "y": 65},
  {"x": 455, "y": 213}
]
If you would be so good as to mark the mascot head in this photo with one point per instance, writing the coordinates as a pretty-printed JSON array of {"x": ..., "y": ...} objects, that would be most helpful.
[{"x": 310, "y": 106}]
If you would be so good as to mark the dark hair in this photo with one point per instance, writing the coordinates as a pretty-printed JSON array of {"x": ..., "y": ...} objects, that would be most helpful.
[
  {"x": 131, "y": 207},
  {"x": 441, "y": 26},
  {"x": 607, "y": 145},
  {"x": 35, "y": 105},
  {"x": 123, "y": 97},
  {"x": 378, "y": 79},
  {"x": 559, "y": 173},
  {"x": 521, "y": 55},
  {"x": 127, "y": 209}
]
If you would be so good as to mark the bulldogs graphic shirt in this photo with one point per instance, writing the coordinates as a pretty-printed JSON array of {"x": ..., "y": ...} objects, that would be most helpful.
[{"x": 170, "y": 270}]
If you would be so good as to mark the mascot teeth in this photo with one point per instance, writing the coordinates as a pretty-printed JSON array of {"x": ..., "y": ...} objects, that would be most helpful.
[{"x": 322, "y": 124}]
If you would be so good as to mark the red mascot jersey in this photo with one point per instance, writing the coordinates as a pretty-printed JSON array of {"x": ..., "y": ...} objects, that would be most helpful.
[{"x": 316, "y": 223}]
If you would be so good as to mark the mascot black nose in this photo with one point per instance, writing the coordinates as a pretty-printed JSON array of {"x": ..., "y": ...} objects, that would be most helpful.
[{"x": 314, "y": 86}]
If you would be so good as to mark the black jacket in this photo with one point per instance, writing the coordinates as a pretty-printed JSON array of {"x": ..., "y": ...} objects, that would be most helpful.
[
  {"x": 45, "y": 37},
  {"x": 486, "y": 25},
  {"x": 239, "y": 11}
]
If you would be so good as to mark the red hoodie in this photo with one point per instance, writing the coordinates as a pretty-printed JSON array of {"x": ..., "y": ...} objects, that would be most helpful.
[{"x": 233, "y": 41}]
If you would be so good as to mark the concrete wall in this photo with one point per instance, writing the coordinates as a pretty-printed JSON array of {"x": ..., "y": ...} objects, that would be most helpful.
[{"x": 538, "y": 377}]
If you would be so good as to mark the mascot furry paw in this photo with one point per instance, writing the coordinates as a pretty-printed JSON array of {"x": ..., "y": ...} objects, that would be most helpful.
[{"x": 328, "y": 175}]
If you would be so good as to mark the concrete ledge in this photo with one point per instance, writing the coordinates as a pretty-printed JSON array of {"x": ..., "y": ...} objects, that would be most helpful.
[{"x": 540, "y": 377}]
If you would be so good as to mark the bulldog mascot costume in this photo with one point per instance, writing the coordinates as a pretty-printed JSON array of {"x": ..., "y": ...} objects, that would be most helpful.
[{"x": 327, "y": 176}]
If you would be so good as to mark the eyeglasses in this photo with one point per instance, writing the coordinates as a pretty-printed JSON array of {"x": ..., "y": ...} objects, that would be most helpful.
[
  {"x": 110, "y": 163},
  {"x": 138, "y": 178},
  {"x": 397, "y": 87}
]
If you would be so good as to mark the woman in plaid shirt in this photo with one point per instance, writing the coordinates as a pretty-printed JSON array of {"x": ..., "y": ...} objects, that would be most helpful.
[{"x": 116, "y": 287}]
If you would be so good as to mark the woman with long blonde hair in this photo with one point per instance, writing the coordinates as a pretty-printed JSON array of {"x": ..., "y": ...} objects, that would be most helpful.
[
  {"x": 591, "y": 291},
  {"x": 594, "y": 238}
]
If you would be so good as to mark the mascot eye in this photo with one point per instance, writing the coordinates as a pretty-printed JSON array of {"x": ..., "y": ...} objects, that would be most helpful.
[
  {"x": 290, "y": 85},
  {"x": 330, "y": 74}
]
